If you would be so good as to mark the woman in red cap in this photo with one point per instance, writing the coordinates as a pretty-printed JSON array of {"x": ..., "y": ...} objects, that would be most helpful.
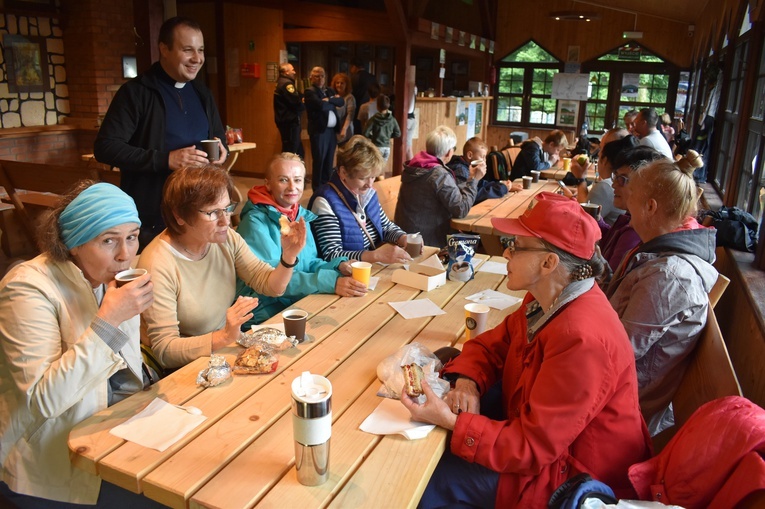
[{"x": 566, "y": 371}]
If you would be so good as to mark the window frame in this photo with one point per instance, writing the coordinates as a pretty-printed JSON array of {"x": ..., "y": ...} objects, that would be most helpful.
[{"x": 527, "y": 95}]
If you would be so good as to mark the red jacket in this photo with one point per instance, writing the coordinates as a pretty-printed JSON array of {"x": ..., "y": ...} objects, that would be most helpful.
[
  {"x": 571, "y": 400},
  {"x": 714, "y": 460}
]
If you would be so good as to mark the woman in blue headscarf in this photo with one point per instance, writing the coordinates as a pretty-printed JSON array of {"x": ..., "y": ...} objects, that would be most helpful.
[{"x": 69, "y": 346}]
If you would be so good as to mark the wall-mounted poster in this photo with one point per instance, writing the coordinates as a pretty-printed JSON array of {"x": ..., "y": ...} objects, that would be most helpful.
[
  {"x": 26, "y": 63},
  {"x": 568, "y": 112},
  {"x": 449, "y": 34},
  {"x": 461, "y": 39},
  {"x": 630, "y": 85}
]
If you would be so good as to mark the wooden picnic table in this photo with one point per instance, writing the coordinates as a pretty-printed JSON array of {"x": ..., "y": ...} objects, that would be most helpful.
[
  {"x": 479, "y": 218},
  {"x": 243, "y": 454}
]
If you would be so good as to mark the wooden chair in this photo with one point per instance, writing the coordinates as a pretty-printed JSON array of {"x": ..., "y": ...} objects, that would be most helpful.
[
  {"x": 511, "y": 153},
  {"x": 38, "y": 185},
  {"x": 387, "y": 193},
  {"x": 718, "y": 289},
  {"x": 709, "y": 375}
]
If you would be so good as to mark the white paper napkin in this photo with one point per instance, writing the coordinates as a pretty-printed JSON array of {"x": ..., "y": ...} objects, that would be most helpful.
[
  {"x": 417, "y": 308},
  {"x": 493, "y": 267},
  {"x": 494, "y": 299},
  {"x": 373, "y": 280},
  {"x": 158, "y": 426},
  {"x": 391, "y": 417}
]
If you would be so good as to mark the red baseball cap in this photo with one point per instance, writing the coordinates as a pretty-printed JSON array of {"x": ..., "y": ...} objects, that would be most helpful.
[{"x": 558, "y": 220}]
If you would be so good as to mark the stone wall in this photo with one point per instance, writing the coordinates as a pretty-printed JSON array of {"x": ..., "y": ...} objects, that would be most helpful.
[{"x": 23, "y": 109}]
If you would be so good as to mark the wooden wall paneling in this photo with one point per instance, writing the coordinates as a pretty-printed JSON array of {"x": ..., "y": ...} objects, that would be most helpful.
[
  {"x": 741, "y": 325},
  {"x": 522, "y": 20},
  {"x": 250, "y": 104}
]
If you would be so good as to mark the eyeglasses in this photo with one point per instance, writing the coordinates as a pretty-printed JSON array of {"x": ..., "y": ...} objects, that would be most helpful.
[
  {"x": 215, "y": 215},
  {"x": 508, "y": 243},
  {"x": 623, "y": 180}
]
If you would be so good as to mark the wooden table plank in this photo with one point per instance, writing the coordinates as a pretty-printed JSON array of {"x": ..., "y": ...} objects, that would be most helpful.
[
  {"x": 478, "y": 211},
  {"x": 519, "y": 202}
]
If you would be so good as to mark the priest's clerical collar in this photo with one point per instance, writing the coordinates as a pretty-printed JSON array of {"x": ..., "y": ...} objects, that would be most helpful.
[{"x": 168, "y": 79}]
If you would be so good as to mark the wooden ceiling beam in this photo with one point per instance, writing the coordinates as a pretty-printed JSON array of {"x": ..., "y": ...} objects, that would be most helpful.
[
  {"x": 397, "y": 19},
  {"x": 487, "y": 19},
  {"x": 323, "y": 35}
]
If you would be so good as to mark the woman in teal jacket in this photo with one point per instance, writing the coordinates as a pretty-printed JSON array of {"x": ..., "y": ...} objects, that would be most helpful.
[{"x": 260, "y": 228}]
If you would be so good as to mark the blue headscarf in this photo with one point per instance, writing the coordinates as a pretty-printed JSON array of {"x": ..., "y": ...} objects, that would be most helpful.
[{"x": 95, "y": 210}]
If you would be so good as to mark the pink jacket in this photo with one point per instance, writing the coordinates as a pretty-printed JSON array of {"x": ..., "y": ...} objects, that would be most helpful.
[
  {"x": 714, "y": 461},
  {"x": 571, "y": 400}
]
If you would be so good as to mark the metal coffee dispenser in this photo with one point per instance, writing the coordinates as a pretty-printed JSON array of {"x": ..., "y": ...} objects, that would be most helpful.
[{"x": 312, "y": 427}]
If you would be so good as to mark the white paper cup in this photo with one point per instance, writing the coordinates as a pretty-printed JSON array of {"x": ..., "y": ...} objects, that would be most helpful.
[{"x": 476, "y": 316}]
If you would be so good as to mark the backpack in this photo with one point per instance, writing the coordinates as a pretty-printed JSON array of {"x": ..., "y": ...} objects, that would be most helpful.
[
  {"x": 736, "y": 229},
  {"x": 496, "y": 166}
]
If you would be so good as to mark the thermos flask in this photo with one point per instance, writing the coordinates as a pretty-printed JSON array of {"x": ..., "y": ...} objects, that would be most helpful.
[{"x": 312, "y": 427}]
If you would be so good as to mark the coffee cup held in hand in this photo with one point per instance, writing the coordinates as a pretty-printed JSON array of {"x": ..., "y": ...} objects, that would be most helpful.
[
  {"x": 212, "y": 149},
  {"x": 128, "y": 275},
  {"x": 414, "y": 244}
]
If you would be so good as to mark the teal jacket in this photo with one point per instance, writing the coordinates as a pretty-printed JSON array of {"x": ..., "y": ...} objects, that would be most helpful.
[{"x": 259, "y": 226}]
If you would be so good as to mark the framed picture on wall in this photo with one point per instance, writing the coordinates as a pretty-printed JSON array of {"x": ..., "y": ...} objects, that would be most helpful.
[
  {"x": 568, "y": 112},
  {"x": 459, "y": 68},
  {"x": 26, "y": 63}
]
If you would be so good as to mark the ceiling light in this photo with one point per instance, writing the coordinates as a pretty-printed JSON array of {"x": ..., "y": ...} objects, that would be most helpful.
[{"x": 574, "y": 15}]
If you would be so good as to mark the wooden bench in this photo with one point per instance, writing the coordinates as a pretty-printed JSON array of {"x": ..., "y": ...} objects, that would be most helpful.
[
  {"x": 35, "y": 185},
  {"x": 387, "y": 192},
  {"x": 709, "y": 375}
]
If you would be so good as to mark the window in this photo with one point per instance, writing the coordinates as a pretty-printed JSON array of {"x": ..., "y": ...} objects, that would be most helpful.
[
  {"x": 751, "y": 195},
  {"x": 596, "y": 106},
  {"x": 524, "y": 88},
  {"x": 629, "y": 77},
  {"x": 730, "y": 119}
]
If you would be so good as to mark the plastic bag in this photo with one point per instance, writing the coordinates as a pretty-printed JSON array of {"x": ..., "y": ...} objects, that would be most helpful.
[
  {"x": 392, "y": 376},
  {"x": 233, "y": 135}
]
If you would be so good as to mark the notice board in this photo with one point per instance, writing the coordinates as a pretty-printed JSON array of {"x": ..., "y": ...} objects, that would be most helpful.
[{"x": 574, "y": 87}]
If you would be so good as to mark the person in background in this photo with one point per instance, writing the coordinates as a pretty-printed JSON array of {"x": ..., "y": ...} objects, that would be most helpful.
[
  {"x": 660, "y": 289},
  {"x": 646, "y": 128},
  {"x": 536, "y": 154},
  {"x": 666, "y": 128},
  {"x": 156, "y": 122},
  {"x": 341, "y": 83},
  {"x": 411, "y": 123},
  {"x": 259, "y": 227},
  {"x": 682, "y": 141},
  {"x": 564, "y": 390},
  {"x": 288, "y": 107},
  {"x": 351, "y": 223},
  {"x": 361, "y": 80},
  {"x": 69, "y": 347},
  {"x": 430, "y": 196},
  {"x": 629, "y": 121},
  {"x": 602, "y": 192},
  {"x": 620, "y": 238},
  {"x": 321, "y": 105},
  {"x": 195, "y": 263},
  {"x": 382, "y": 127},
  {"x": 369, "y": 108},
  {"x": 475, "y": 150}
]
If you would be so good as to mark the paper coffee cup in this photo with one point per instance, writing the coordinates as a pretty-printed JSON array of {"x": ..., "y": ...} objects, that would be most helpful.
[
  {"x": 535, "y": 175},
  {"x": 476, "y": 316},
  {"x": 527, "y": 182},
  {"x": 294, "y": 323},
  {"x": 128, "y": 275},
  {"x": 414, "y": 244},
  {"x": 567, "y": 163},
  {"x": 212, "y": 149},
  {"x": 361, "y": 271}
]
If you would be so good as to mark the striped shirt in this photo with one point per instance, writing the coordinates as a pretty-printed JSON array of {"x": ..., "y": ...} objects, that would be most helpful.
[{"x": 326, "y": 229}]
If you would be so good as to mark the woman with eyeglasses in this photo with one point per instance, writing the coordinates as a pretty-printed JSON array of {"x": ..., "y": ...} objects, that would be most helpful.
[
  {"x": 351, "y": 222},
  {"x": 660, "y": 290},
  {"x": 549, "y": 393},
  {"x": 620, "y": 238},
  {"x": 194, "y": 264}
]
